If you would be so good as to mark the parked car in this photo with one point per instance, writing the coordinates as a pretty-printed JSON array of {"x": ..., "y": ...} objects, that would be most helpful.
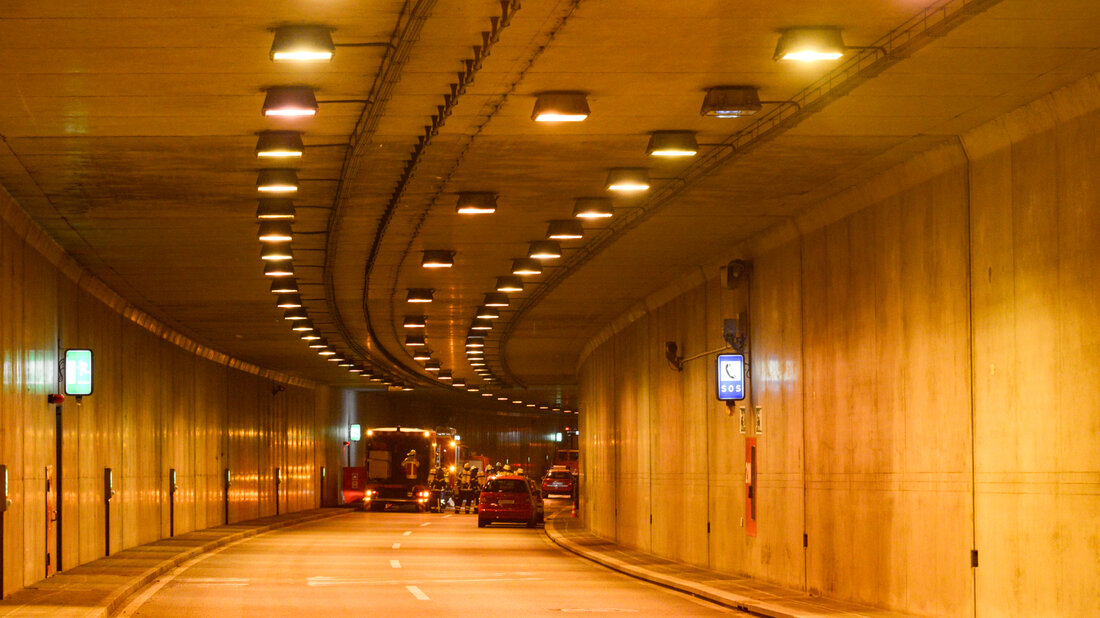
[
  {"x": 510, "y": 498},
  {"x": 558, "y": 482}
]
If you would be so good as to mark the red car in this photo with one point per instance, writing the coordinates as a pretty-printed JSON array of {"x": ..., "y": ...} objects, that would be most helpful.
[
  {"x": 509, "y": 498},
  {"x": 558, "y": 482}
]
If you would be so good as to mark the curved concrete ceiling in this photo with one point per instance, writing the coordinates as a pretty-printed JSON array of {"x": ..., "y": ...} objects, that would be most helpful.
[{"x": 129, "y": 134}]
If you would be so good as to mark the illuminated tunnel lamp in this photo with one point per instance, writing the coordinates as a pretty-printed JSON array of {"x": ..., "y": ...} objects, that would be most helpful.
[
  {"x": 326, "y": 352},
  {"x": 475, "y": 342},
  {"x": 406, "y": 388},
  {"x": 345, "y": 364},
  {"x": 432, "y": 365},
  {"x": 310, "y": 336},
  {"x": 472, "y": 389},
  {"x": 288, "y": 301},
  {"x": 335, "y": 357},
  {"x": 476, "y": 203},
  {"x": 278, "y": 269},
  {"x": 544, "y": 250},
  {"x": 279, "y": 145},
  {"x": 445, "y": 375},
  {"x": 275, "y": 231},
  {"x": 295, "y": 314},
  {"x": 627, "y": 179},
  {"x": 593, "y": 208},
  {"x": 509, "y": 284},
  {"x": 290, "y": 102},
  {"x": 479, "y": 324},
  {"x": 275, "y": 208},
  {"x": 320, "y": 344},
  {"x": 276, "y": 252},
  {"x": 435, "y": 258},
  {"x": 302, "y": 44},
  {"x": 306, "y": 325},
  {"x": 458, "y": 383},
  {"x": 285, "y": 286},
  {"x": 502, "y": 399},
  {"x": 419, "y": 295},
  {"x": 530, "y": 405},
  {"x": 565, "y": 229},
  {"x": 544, "y": 407},
  {"x": 496, "y": 299},
  {"x": 415, "y": 341},
  {"x": 415, "y": 321},
  {"x": 526, "y": 267},
  {"x": 560, "y": 107},
  {"x": 277, "y": 181},
  {"x": 729, "y": 102},
  {"x": 355, "y": 369},
  {"x": 422, "y": 354},
  {"x": 487, "y": 313},
  {"x": 810, "y": 44},
  {"x": 673, "y": 144},
  {"x": 486, "y": 394},
  {"x": 517, "y": 401}
]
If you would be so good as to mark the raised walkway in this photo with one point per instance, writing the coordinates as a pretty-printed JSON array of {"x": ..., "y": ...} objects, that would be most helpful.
[{"x": 743, "y": 593}]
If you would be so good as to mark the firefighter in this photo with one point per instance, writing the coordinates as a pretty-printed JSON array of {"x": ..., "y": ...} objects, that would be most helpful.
[
  {"x": 437, "y": 483},
  {"x": 507, "y": 469},
  {"x": 464, "y": 489},
  {"x": 489, "y": 470},
  {"x": 475, "y": 486},
  {"x": 411, "y": 466}
]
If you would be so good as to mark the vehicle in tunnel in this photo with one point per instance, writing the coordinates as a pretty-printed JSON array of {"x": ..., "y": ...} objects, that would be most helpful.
[
  {"x": 398, "y": 462},
  {"x": 559, "y": 481},
  {"x": 570, "y": 458},
  {"x": 510, "y": 498}
]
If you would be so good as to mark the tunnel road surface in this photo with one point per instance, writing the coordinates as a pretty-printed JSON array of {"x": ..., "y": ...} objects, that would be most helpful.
[{"x": 403, "y": 564}]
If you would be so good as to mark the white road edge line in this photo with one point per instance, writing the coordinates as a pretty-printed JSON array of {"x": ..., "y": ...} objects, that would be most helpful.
[
  {"x": 395, "y": 564},
  {"x": 448, "y": 515},
  {"x": 427, "y": 523},
  {"x": 418, "y": 593},
  {"x": 396, "y": 546}
]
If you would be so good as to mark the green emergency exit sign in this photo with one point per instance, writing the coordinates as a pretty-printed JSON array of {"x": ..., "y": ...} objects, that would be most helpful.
[{"x": 78, "y": 372}]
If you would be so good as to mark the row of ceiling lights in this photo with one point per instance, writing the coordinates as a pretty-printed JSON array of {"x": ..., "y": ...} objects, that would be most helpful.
[
  {"x": 804, "y": 44},
  {"x": 276, "y": 215}
]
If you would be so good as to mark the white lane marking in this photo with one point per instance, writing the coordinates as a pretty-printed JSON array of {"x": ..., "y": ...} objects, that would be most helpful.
[
  {"x": 427, "y": 523},
  {"x": 322, "y": 581},
  {"x": 396, "y": 546},
  {"x": 448, "y": 515},
  {"x": 418, "y": 593},
  {"x": 406, "y": 533},
  {"x": 214, "y": 581},
  {"x": 395, "y": 564}
]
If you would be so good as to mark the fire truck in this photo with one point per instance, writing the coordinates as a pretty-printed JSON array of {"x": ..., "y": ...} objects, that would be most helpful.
[{"x": 390, "y": 477}]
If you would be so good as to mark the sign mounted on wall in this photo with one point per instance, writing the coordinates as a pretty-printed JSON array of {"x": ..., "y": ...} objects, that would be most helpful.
[
  {"x": 78, "y": 372},
  {"x": 355, "y": 433},
  {"x": 731, "y": 377}
]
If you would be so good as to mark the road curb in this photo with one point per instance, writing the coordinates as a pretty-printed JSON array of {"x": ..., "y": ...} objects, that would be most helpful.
[
  {"x": 115, "y": 600},
  {"x": 715, "y": 595}
]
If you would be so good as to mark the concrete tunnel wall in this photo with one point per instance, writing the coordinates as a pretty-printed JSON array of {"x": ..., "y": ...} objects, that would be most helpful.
[
  {"x": 160, "y": 401},
  {"x": 925, "y": 350}
]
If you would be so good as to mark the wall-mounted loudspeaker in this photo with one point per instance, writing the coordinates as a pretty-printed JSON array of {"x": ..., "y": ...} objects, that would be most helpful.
[{"x": 738, "y": 273}]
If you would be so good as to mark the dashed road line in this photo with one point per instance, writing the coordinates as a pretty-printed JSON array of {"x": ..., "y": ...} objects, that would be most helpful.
[
  {"x": 418, "y": 593},
  {"x": 396, "y": 546},
  {"x": 427, "y": 523},
  {"x": 448, "y": 515},
  {"x": 406, "y": 533},
  {"x": 395, "y": 564}
]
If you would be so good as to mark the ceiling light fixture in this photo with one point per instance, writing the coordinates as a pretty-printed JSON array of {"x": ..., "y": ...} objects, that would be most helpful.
[
  {"x": 478, "y": 324},
  {"x": 355, "y": 369},
  {"x": 327, "y": 352},
  {"x": 275, "y": 208},
  {"x": 302, "y": 43},
  {"x": 475, "y": 342},
  {"x": 309, "y": 336},
  {"x": 526, "y": 267},
  {"x": 495, "y": 299},
  {"x": 560, "y": 107},
  {"x": 472, "y": 389},
  {"x": 288, "y": 301},
  {"x": 509, "y": 284},
  {"x": 345, "y": 364},
  {"x": 319, "y": 344},
  {"x": 810, "y": 44},
  {"x": 284, "y": 286},
  {"x": 437, "y": 259},
  {"x": 275, "y": 230},
  {"x": 290, "y": 102},
  {"x": 276, "y": 252},
  {"x": 415, "y": 341},
  {"x": 593, "y": 208},
  {"x": 458, "y": 383},
  {"x": 303, "y": 326},
  {"x": 544, "y": 250},
  {"x": 730, "y": 102},
  {"x": 476, "y": 203},
  {"x": 502, "y": 399},
  {"x": 565, "y": 229},
  {"x": 419, "y": 295},
  {"x": 422, "y": 354},
  {"x": 487, "y": 313},
  {"x": 445, "y": 375},
  {"x": 277, "y": 181},
  {"x": 415, "y": 321},
  {"x": 295, "y": 314},
  {"x": 627, "y": 179},
  {"x": 432, "y": 365},
  {"x": 278, "y": 269},
  {"x": 673, "y": 144},
  {"x": 280, "y": 145}
]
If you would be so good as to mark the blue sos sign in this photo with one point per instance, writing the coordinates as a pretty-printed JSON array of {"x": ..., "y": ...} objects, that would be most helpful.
[{"x": 731, "y": 377}]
